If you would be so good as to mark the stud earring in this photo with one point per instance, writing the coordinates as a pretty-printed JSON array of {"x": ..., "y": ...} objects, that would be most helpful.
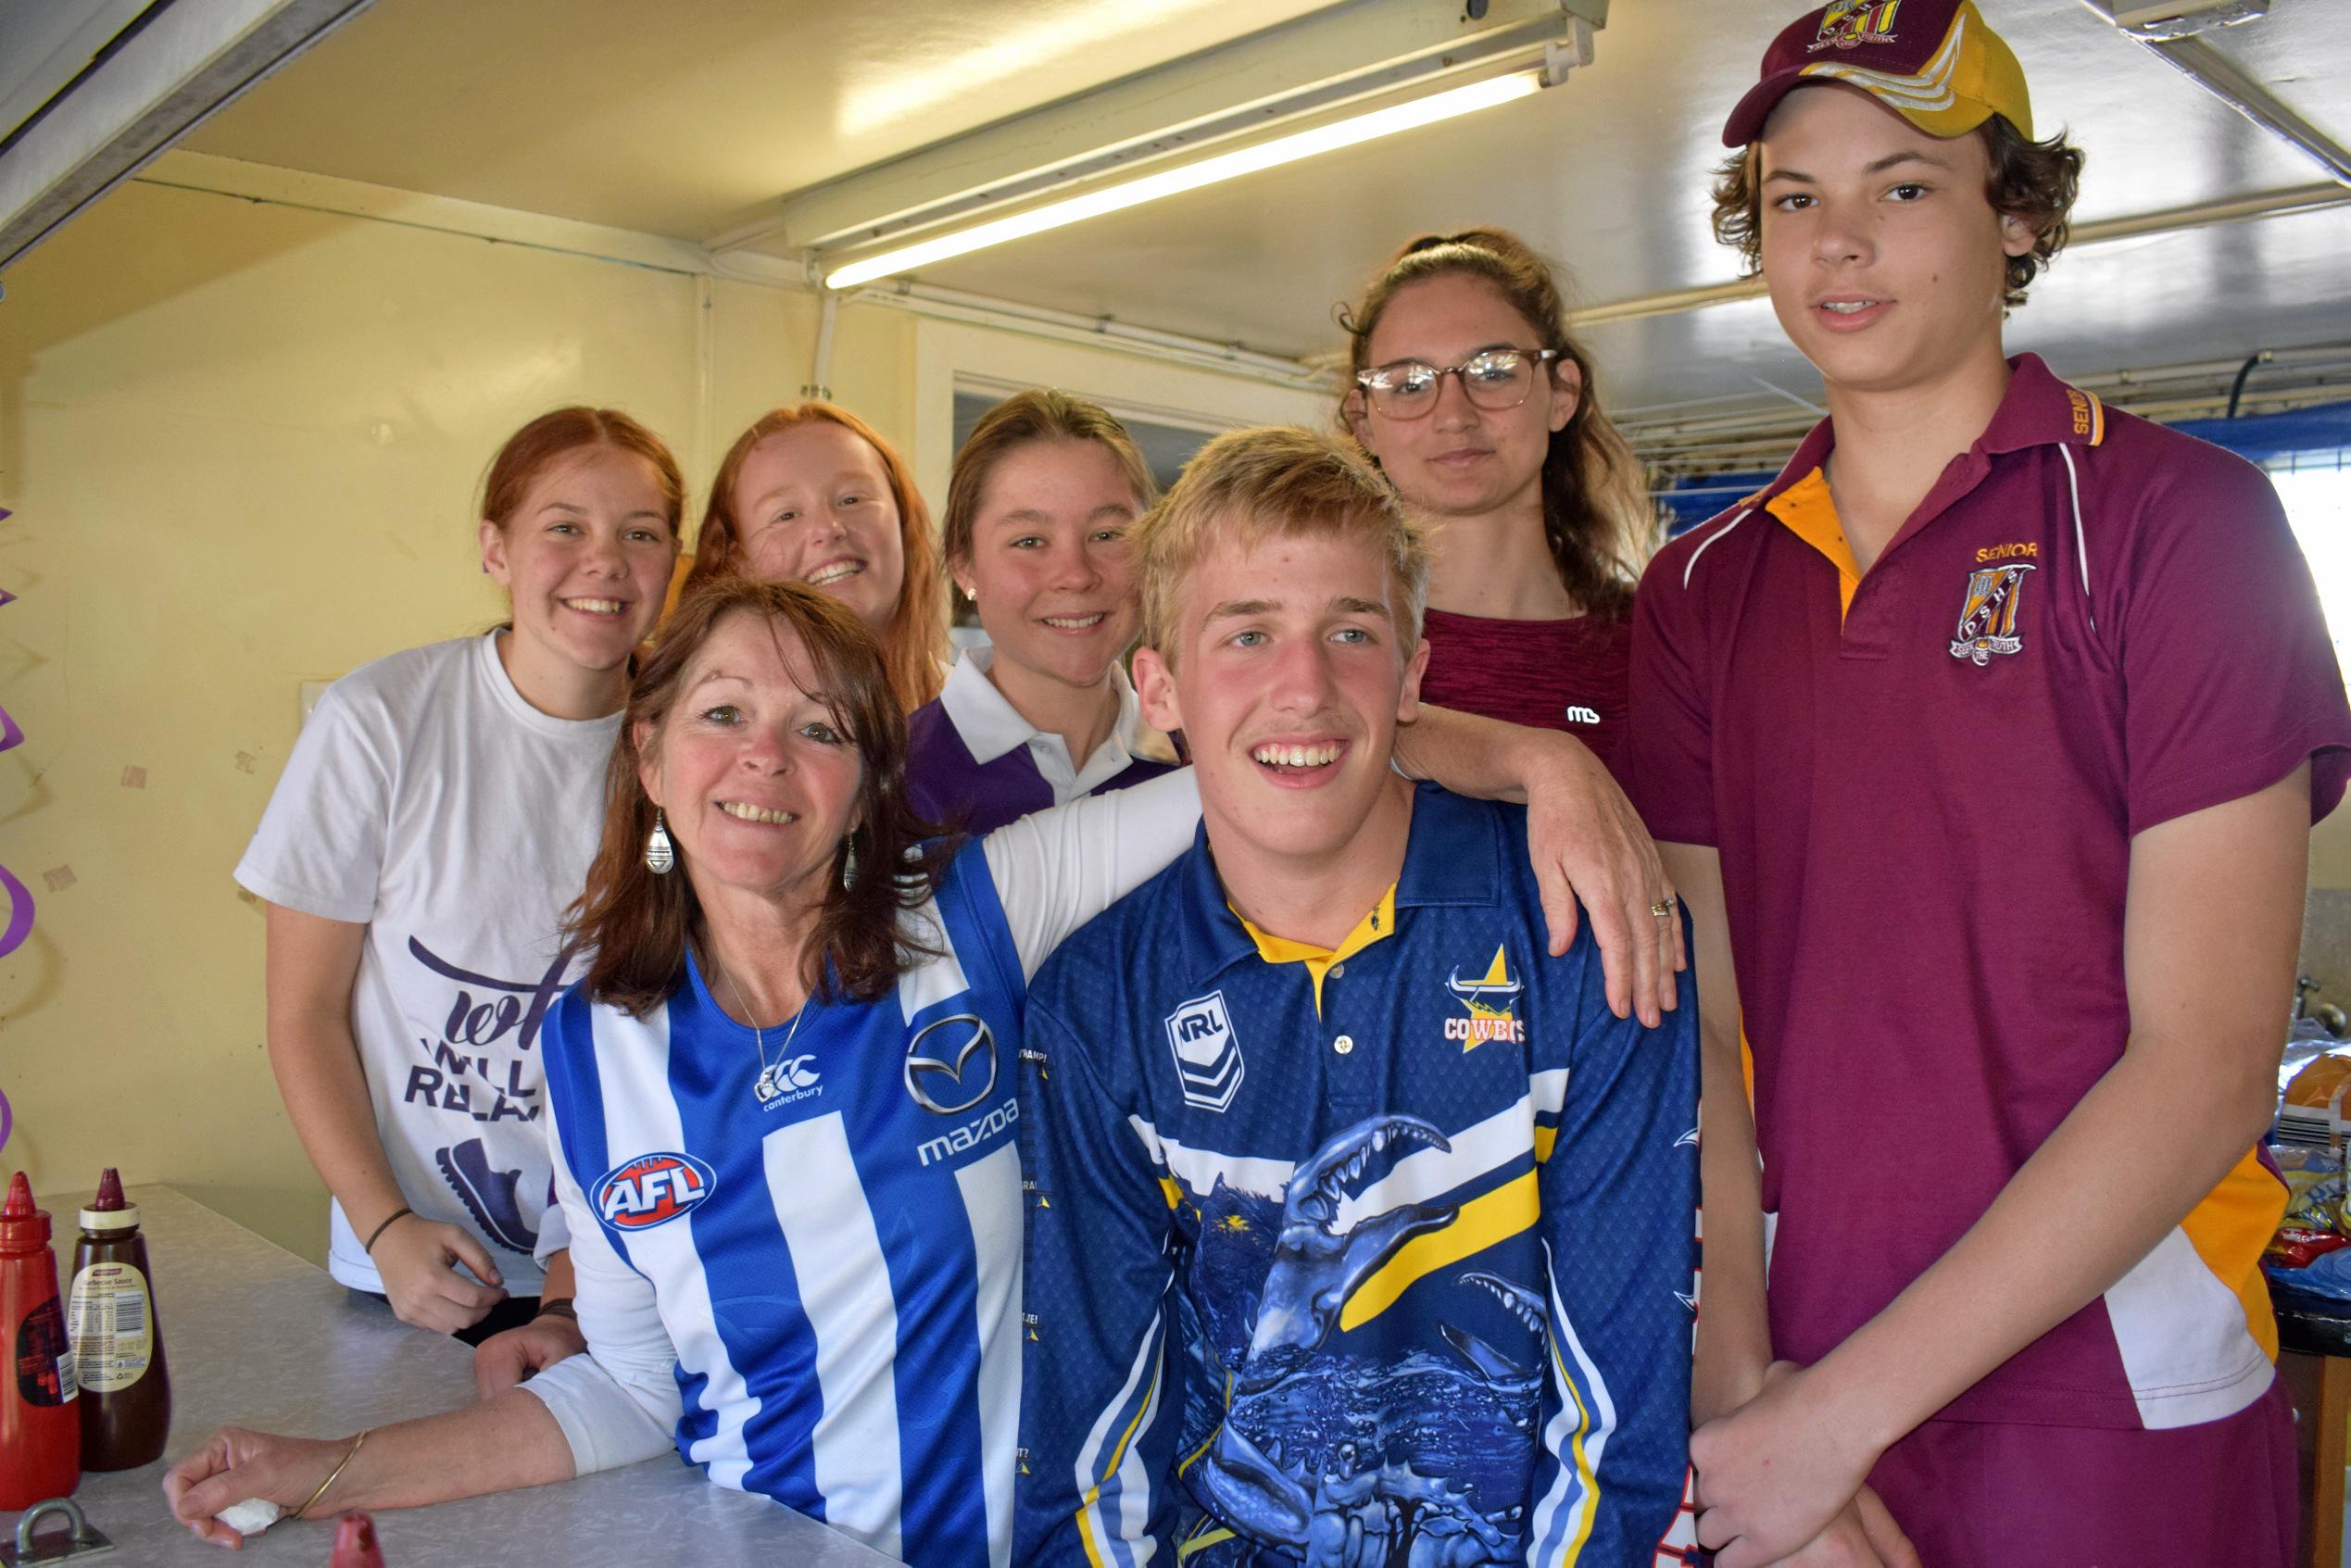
[{"x": 659, "y": 854}]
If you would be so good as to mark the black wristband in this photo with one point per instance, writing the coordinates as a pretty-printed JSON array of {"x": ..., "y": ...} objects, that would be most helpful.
[
  {"x": 402, "y": 1212},
  {"x": 558, "y": 1307}
]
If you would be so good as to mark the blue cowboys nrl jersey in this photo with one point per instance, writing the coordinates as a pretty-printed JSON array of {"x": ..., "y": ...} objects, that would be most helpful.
[
  {"x": 1402, "y": 1274},
  {"x": 833, "y": 1238}
]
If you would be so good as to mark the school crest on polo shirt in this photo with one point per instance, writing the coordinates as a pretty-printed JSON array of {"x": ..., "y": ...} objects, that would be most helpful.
[{"x": 1988, "y": 619}]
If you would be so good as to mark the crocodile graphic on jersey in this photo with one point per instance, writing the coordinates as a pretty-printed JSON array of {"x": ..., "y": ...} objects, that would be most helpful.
[
  {"x": 1349, "y": 1511},
  {"x": 1500, "y": 1373},
  {"x": 1316, "y": 1267}
]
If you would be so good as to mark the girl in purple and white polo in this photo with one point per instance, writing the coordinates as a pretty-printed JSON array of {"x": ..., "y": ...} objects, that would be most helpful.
[{"x": 1035, "y": 536}]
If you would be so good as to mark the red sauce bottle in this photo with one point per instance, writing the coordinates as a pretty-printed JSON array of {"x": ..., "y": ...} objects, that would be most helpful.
[
  {"x": 117, "y": 1342},
  {"x": 355, "y": 1543},
  {"x": 40, "y": 1431}
]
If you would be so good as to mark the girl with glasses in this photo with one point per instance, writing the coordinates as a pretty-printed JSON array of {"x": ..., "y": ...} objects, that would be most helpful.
[{"x": 1467, "y": 391}]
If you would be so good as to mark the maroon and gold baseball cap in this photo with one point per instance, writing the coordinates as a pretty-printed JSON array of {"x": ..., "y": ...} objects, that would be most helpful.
[{"x": 1936, "y": 63}]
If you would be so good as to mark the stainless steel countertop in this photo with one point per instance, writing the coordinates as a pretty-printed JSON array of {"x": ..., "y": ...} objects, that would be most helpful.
[{"x": 257, "y": 1337}]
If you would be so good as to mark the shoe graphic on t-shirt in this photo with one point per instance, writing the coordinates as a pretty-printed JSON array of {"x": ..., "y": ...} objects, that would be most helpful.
[{"x": 488, "y": 1194}]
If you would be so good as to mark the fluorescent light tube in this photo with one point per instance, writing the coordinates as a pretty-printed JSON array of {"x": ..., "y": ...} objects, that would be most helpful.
[{"x": 1191, "y": 176}]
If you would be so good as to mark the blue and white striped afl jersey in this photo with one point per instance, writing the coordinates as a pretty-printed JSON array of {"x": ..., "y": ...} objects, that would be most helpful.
[{"x": 832, "y": 1243}]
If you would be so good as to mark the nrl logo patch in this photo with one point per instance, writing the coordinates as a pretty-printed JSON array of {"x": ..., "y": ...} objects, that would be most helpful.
[
  {"x": 1988, "y": 622},
  {"x": 1208, "y": 1056}
]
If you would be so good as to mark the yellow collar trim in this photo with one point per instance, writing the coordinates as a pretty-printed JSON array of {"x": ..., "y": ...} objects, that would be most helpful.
[
  {"x": 1376, "y": 926},
  {"x": 1810, "y": 513}
]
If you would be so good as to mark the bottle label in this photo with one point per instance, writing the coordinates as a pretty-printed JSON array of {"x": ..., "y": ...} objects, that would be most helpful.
[
  {"x": 111, "y": 1322},
  {"x": 45, "y": 1357}
]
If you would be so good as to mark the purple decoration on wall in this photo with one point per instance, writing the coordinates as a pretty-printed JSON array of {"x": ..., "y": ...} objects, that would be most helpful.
[
  {"x": 20, "y": 897},
  {"x": 19, "y": 924}
]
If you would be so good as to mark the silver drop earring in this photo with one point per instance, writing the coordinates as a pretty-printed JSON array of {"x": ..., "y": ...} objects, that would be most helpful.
[
  {"x": 660, "y": 854},
  {"x": 849, "y": 864}
]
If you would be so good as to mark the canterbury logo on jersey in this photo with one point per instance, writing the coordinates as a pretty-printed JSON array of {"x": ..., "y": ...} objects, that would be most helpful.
[
  {"x": 651, "y": 1189},
  {"x": 1491, "y": 999},
  {"x": 783, "y": 1082}
]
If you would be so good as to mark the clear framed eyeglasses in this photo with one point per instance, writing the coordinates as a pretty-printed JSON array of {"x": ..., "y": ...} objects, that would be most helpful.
[{"x": 1494, "y": 380}]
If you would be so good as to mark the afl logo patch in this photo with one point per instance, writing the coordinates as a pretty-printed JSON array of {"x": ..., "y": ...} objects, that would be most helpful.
[
  {"x": 651, "y": 1190},
  {"x": 1208, "y": 1055},
  {"x": 951, "y": 1065}
]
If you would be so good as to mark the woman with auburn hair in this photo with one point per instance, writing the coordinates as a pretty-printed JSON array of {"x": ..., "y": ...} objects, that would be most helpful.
[
  {"x": 800, "y": 1026},
  {"x": 813, "y": 493},
  {"x": 1038, "y": 510},
  {"x": 432, "y": 824},
  {"x": 1469, "y": 393},
  {"x": 798, "y": 1023}
]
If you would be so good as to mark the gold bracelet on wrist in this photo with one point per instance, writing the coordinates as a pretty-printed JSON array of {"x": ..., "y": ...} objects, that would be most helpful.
[{"x": 348, "y": 1454}]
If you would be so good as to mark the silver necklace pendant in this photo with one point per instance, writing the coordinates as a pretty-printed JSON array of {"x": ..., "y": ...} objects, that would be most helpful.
[{"x": 792, "y": 1076}]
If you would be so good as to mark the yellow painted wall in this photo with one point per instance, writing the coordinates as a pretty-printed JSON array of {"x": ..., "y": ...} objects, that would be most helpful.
[{"x": 243, "y": 442}]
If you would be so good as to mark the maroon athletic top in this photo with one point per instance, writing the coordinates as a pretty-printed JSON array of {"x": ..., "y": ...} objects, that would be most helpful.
[
  {"x": 1923, "y": 781},
  {"x": 1546, "y": 674}
]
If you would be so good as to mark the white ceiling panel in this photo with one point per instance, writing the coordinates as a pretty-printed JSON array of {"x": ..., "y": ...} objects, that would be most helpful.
[
  {"x": 678, "y": 118},
  {"x": 593, "y": 109}
]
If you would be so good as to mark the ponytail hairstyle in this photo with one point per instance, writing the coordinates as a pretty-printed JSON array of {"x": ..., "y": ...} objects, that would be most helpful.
[
  {"x": 914, "y": 643},
  {"x": 1598, "y": 517}
]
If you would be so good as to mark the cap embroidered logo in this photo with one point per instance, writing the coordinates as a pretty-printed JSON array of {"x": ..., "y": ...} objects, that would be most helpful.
[{"x": 1851, "y": 23}]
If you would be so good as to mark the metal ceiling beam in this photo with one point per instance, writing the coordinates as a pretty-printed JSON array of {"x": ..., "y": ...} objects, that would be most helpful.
[
  {"x": 176, "y": 70},
  {"x": 1345, "y": 54},
  {"x": 2222, "y": 77},
  {"x": 45, "y": 43},
  {"x": 2170, "y": 29}
]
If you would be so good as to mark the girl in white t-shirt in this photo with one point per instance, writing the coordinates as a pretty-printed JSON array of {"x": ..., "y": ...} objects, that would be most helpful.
[{"x": 435, "y": 820}]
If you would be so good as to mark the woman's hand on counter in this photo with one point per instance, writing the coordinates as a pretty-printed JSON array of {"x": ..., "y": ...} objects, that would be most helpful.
[
  {"x": 416, "y": 1257},
  {"x": 505, "y": 1360},
  {"x": 234, "y": 1464}
]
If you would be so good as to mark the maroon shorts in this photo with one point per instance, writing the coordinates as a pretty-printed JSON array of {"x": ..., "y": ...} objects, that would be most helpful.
[{"x": 1977, "y": 1493}]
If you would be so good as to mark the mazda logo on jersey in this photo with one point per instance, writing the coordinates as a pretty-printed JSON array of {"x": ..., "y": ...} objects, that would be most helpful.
[
  {"x": 1208, "y": 1056},
  {"x": 651, "y": 1189},
  {"x": 951, "y": 1065}
]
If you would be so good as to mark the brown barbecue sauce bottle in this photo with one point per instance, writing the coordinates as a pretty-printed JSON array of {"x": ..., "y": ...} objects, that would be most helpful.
[{"x": 117, "y": 1344}]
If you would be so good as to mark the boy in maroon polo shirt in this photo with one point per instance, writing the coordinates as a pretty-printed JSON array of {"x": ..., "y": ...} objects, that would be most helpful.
[{"x": 1984, "y": 745}]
